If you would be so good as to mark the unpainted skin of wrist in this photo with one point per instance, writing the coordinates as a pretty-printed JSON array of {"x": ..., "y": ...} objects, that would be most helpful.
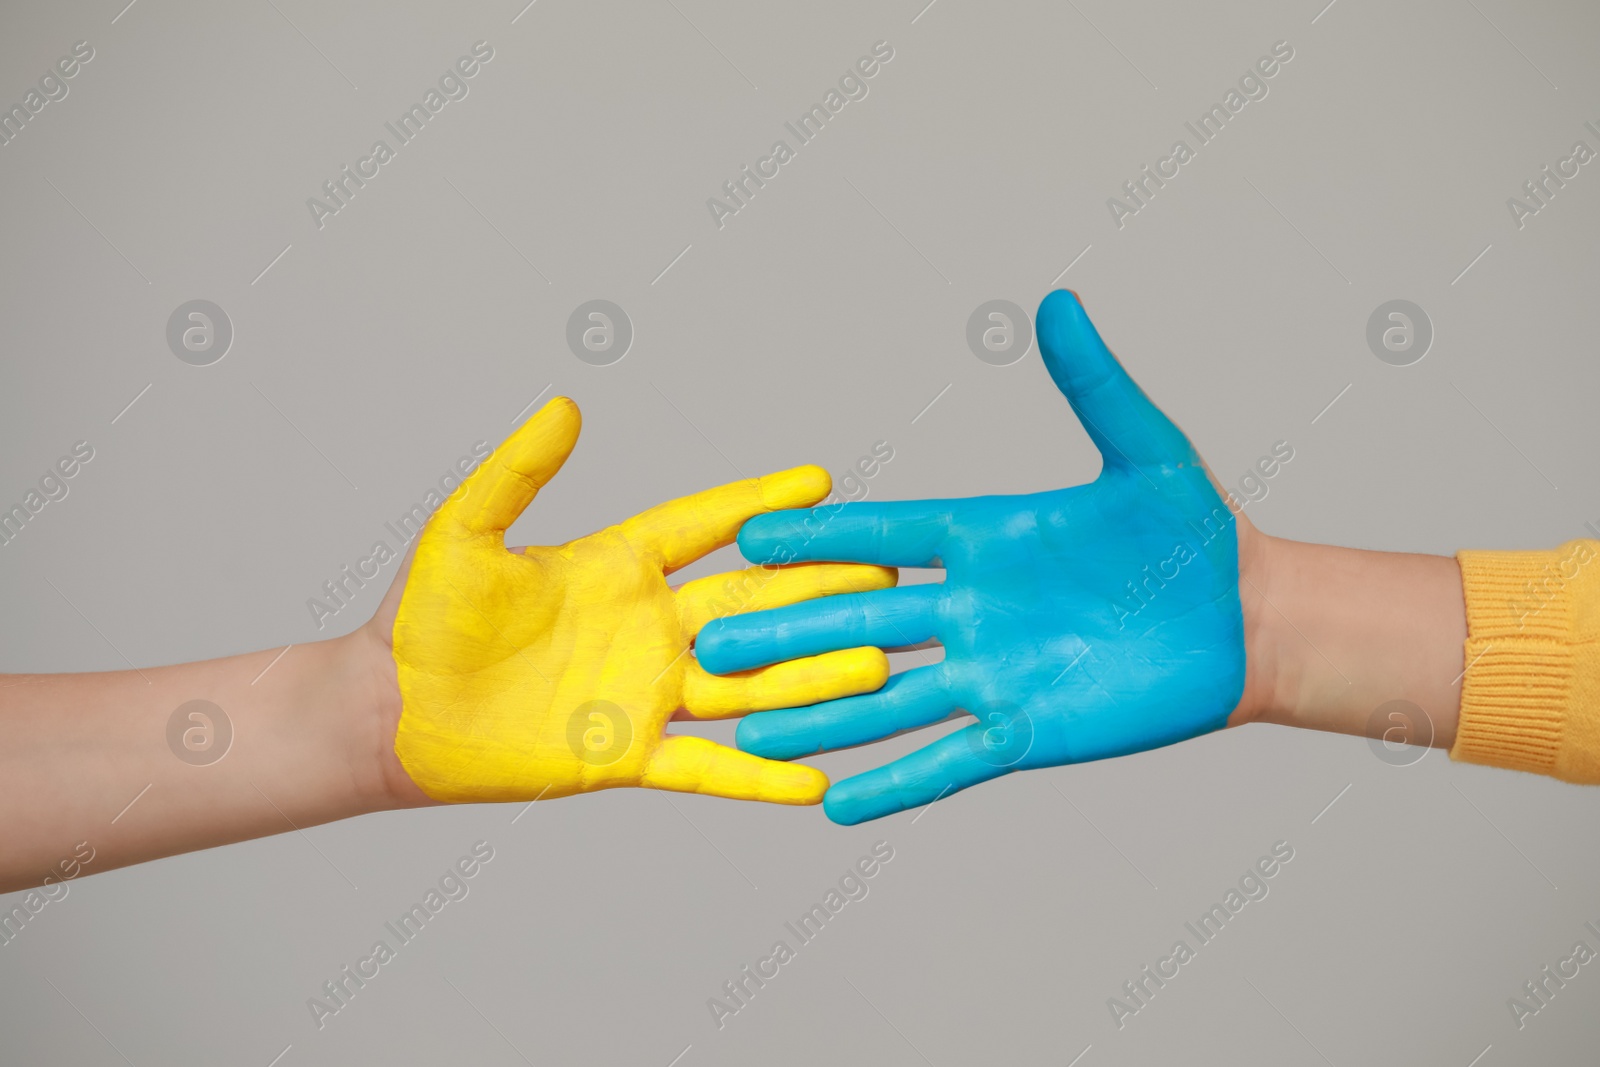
[
  {"x": 392, "y": 786},
  {"x": 1332, "y": 634},
  {"x": 91, "y": 757}
]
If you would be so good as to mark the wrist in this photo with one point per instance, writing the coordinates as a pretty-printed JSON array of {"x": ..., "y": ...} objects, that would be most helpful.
[
  {"x": 375, "y": 706},
  {"x": 1265, "y": 670},
  {"x": 1333, "y": 634}
]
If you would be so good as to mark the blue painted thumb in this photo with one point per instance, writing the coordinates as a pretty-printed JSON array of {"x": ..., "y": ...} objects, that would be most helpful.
[{"x": 1129, "y": 430}]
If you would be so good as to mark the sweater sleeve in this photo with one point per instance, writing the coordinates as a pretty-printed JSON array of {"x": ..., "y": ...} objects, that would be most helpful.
[{"x": 1530, "y": 697}]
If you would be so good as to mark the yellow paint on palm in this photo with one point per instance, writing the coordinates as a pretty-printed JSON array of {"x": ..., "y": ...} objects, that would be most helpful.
[{"x": 555, "y": 671}]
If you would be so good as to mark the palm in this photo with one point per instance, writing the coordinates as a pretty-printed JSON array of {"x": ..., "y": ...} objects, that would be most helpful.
[
  {"x": 1073, "y": 645},
  {"x": 1077, "y": 624},
  {"x": 551, "y": 671},
  {"x": 596, "y": 655}
]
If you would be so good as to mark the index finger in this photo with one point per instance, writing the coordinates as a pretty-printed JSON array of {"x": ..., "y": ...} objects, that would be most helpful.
[
  {"x": 899, "y": 533},
  {"x": 885, "y": 618}
]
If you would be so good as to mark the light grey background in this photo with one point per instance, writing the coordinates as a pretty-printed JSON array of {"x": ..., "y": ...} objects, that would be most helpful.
[{"x": 822, "y": 318}]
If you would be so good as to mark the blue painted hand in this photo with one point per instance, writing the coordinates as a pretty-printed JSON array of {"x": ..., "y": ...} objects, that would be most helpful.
[{"x": 1078, "y": 624}]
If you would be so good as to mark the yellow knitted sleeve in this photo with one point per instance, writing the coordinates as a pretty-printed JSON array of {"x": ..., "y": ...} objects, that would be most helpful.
[{"x": 1530, "y": 698}]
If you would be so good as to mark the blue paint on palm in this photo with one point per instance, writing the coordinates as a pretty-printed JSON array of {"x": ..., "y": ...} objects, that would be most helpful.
[{"x": 1078, "y": 624}]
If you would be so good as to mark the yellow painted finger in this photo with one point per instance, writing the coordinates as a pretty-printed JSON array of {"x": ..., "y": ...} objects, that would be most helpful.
[
  {"x": 681, "y": 531},
  {"x": 496, "y": 493},
  {"x": 797, "y": 683},
  {"x": 760, "y": 588},
  {"x": 696, "y": 765}
]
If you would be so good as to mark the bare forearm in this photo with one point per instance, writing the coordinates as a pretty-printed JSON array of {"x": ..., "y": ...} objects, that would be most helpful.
[
  {"x": 97, "y": 758},
  {"x": 1336, "y": 633}
]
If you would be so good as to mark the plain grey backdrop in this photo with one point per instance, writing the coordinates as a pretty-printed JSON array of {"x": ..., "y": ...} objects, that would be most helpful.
[{"x": 828, "y": 314}]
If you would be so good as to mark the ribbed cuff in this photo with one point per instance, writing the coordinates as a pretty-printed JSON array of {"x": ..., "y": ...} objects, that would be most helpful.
[{"x": 1517, "y": 692}]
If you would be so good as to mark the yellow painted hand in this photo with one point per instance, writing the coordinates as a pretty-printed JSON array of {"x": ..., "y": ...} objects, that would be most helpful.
[{"x": 553, "y": 671}]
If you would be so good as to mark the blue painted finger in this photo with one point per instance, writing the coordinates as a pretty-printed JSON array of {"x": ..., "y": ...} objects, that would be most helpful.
[
  {"x": 888, "y": 618},
  {"x": 947, "y": 766},
  {"x": 908, "y": 700},
  {"x": 904, "y": 533}
]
